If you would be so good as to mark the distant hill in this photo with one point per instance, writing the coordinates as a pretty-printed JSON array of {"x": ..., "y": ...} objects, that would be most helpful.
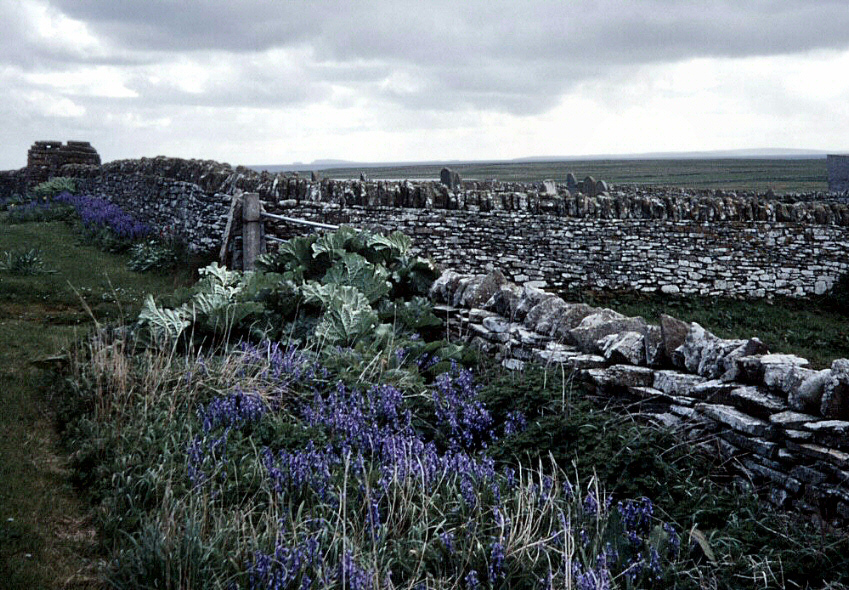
[{"x": 754, "y": 153}]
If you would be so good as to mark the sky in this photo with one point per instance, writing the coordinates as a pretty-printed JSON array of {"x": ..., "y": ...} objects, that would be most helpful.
[{"x": 279, "y": 81}]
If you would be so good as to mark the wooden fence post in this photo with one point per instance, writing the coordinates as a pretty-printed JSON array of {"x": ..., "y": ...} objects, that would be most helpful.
[{"x": 251, "y": 230}]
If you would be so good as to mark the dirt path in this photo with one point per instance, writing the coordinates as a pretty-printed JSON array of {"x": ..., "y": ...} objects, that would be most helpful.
[{"x": 46, "y": 537}]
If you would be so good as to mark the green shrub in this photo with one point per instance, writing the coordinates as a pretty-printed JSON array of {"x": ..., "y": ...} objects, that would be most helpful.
[
  {"x": 151, "y": 255},
  {"x": 56, "y": 185},
  {"x": 23, "y": 262}
]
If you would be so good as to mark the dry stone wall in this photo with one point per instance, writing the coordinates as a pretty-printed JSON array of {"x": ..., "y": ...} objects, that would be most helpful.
[
  {"x": 686, "y": 256},
  {"x": 549, "y": 234},
  {"x": 782, "y": 424}
]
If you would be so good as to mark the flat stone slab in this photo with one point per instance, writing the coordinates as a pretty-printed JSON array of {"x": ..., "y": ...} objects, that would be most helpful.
[
  {"x": 735, "y": 419},
  {"x": 513, "y": 364},
  {"x": 756, "y": 445},
  {"x": 790, "y": 419},
  {"x": 714, "y": 391},
  {"x": 629, "y": 376},
  {"x": 585, "y": 361},
  {"x": 758, "y": 403},
  {"x": 831, "y": 433},
  {"x": 814, "y": 451},
  {"x": 675, "y": 383}
]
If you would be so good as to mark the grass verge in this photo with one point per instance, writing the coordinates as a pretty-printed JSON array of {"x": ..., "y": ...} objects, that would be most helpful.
[{"x": 47, "y": 539}]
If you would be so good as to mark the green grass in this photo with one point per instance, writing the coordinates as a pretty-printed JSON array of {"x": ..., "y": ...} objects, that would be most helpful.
[
  {"x": 781, "y": 175},
  {"x": 46, "y": 537},
  {"x": 813, "y": 329}
]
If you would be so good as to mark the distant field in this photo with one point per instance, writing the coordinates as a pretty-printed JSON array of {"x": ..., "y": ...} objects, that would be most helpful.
[{"x": 781, "y": 175}]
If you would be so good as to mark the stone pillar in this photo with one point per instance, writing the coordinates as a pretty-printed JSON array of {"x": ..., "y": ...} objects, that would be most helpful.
[{"x": 251, "y": 230}]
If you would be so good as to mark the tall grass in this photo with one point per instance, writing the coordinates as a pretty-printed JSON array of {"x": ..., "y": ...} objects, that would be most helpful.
[{"x": 255, "y": 468}]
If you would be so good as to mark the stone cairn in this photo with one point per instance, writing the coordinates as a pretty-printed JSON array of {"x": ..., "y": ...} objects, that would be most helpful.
[
  {"x": 46, "y": 158},
  {"x": 784, "y": 425}
]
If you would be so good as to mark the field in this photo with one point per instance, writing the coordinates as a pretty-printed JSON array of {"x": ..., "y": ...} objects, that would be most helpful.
[{"x": 781, "y": 175}]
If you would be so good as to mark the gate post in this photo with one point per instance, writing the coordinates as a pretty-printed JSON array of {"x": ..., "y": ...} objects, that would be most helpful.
[{"x": 251, "y": 230}]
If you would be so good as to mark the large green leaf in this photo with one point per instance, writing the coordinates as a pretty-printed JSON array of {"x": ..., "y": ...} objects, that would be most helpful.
[
  {"x": 293, "y": 255},
  {"x": 397, "y": 244},
  {"x": 347, "y": 317},
  {"x": 334, "y": 244},
  {"x": 163, "y": 325},
  {"x": 354, "y": 270}
]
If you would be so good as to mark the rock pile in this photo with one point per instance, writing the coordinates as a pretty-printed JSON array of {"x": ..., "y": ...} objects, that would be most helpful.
[{"x": 786, "y": 425}]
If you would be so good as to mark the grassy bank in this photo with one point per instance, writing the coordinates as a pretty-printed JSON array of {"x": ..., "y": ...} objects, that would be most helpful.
[{"x": 47, "y": 539}]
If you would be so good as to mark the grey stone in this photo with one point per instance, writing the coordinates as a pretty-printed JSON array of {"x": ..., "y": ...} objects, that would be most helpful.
[
  {"x": 585, "y": 361},
  {"x": 543, "y": 315},
  {"x": 751, "y": 347},
  {"x": 666, "y": 420},
  {"x": 807, "y": 397},
  {"x": 559, "y": 354},
  {"x": 674, "y": 333},
  {"x": 807, "y": 474},
  {"x": 598, "y": 325},
  {"x": 529, "y": 297},
  {"x": 835, "y": 395},
  {"x": 714, "y": 391},
  {"x": 480, "y": 289},
  {"x": 834, "y": 457},
  {"x": 589, "y": 186},
  {"x": 691, "y": 352},
  {"x": 505, "y": 300},
  {"x": 443, "y": 287},
  {"x": 629, "y": 376},
  {"x": 757, "y": 403},
  {"x": 736, "y": 420},
  {"x": 513, "y": 364},
  {"x": 759, "y": 470},
  {"x": 496, "y": 324},
  {"x": 756, "y": 445},
  {"x": 571, "y": 317},
  {"x": 789, "y": 419},
  {"x": 831, "y": 433},
  {"x": 675, "y": 383},
  {"x": 624, "y": 347},
  {"x": 778, "y": 367},
  {"x": 654, "y": 350}
]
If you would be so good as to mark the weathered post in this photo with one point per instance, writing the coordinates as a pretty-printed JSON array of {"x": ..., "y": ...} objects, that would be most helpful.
[{"x": 251, "y": 230}]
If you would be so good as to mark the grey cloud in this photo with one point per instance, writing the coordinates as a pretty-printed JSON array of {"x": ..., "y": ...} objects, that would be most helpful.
[{"x": 510, "y": 56}]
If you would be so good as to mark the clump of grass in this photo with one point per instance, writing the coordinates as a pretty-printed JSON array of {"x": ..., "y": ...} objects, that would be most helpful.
[{"x": 26, "y": 261}]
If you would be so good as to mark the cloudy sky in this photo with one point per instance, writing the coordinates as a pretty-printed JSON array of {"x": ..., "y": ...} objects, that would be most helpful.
[{"x": 273, "y": 82}]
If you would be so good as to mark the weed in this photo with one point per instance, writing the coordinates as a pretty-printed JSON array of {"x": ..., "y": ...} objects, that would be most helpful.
[{"x": 27, "y": 261}]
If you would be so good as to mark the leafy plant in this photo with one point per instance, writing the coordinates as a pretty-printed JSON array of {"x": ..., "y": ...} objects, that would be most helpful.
[
  {"x": 23, "y": 262},
  {"x": 48, "y": 189},
  {"x": 151, "y": 255}
]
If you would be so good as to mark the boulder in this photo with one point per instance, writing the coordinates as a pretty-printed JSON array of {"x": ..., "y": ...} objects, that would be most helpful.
[
  {"x": 807, "y": 397},
  {"x": 571, "y": 317},
  {"x": 542, "y": 316},
  {"x": 673, "y": 333},
  {"x": 835, "y": 395},
  {"x": 443, "y": 288},
  {"x": 624, "y": 347},
  {"x": 751, "y": 347},
  {"x": 596, "y": 326},
  {"x": 690, "y": 353},
  {"x": 778, "y": 367},
  {"x": 655, "y": 351},
  {"x": 482, "y": 288},
  {"x": 505, "y": 300},
  {"x": 529, "y": 297}
]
